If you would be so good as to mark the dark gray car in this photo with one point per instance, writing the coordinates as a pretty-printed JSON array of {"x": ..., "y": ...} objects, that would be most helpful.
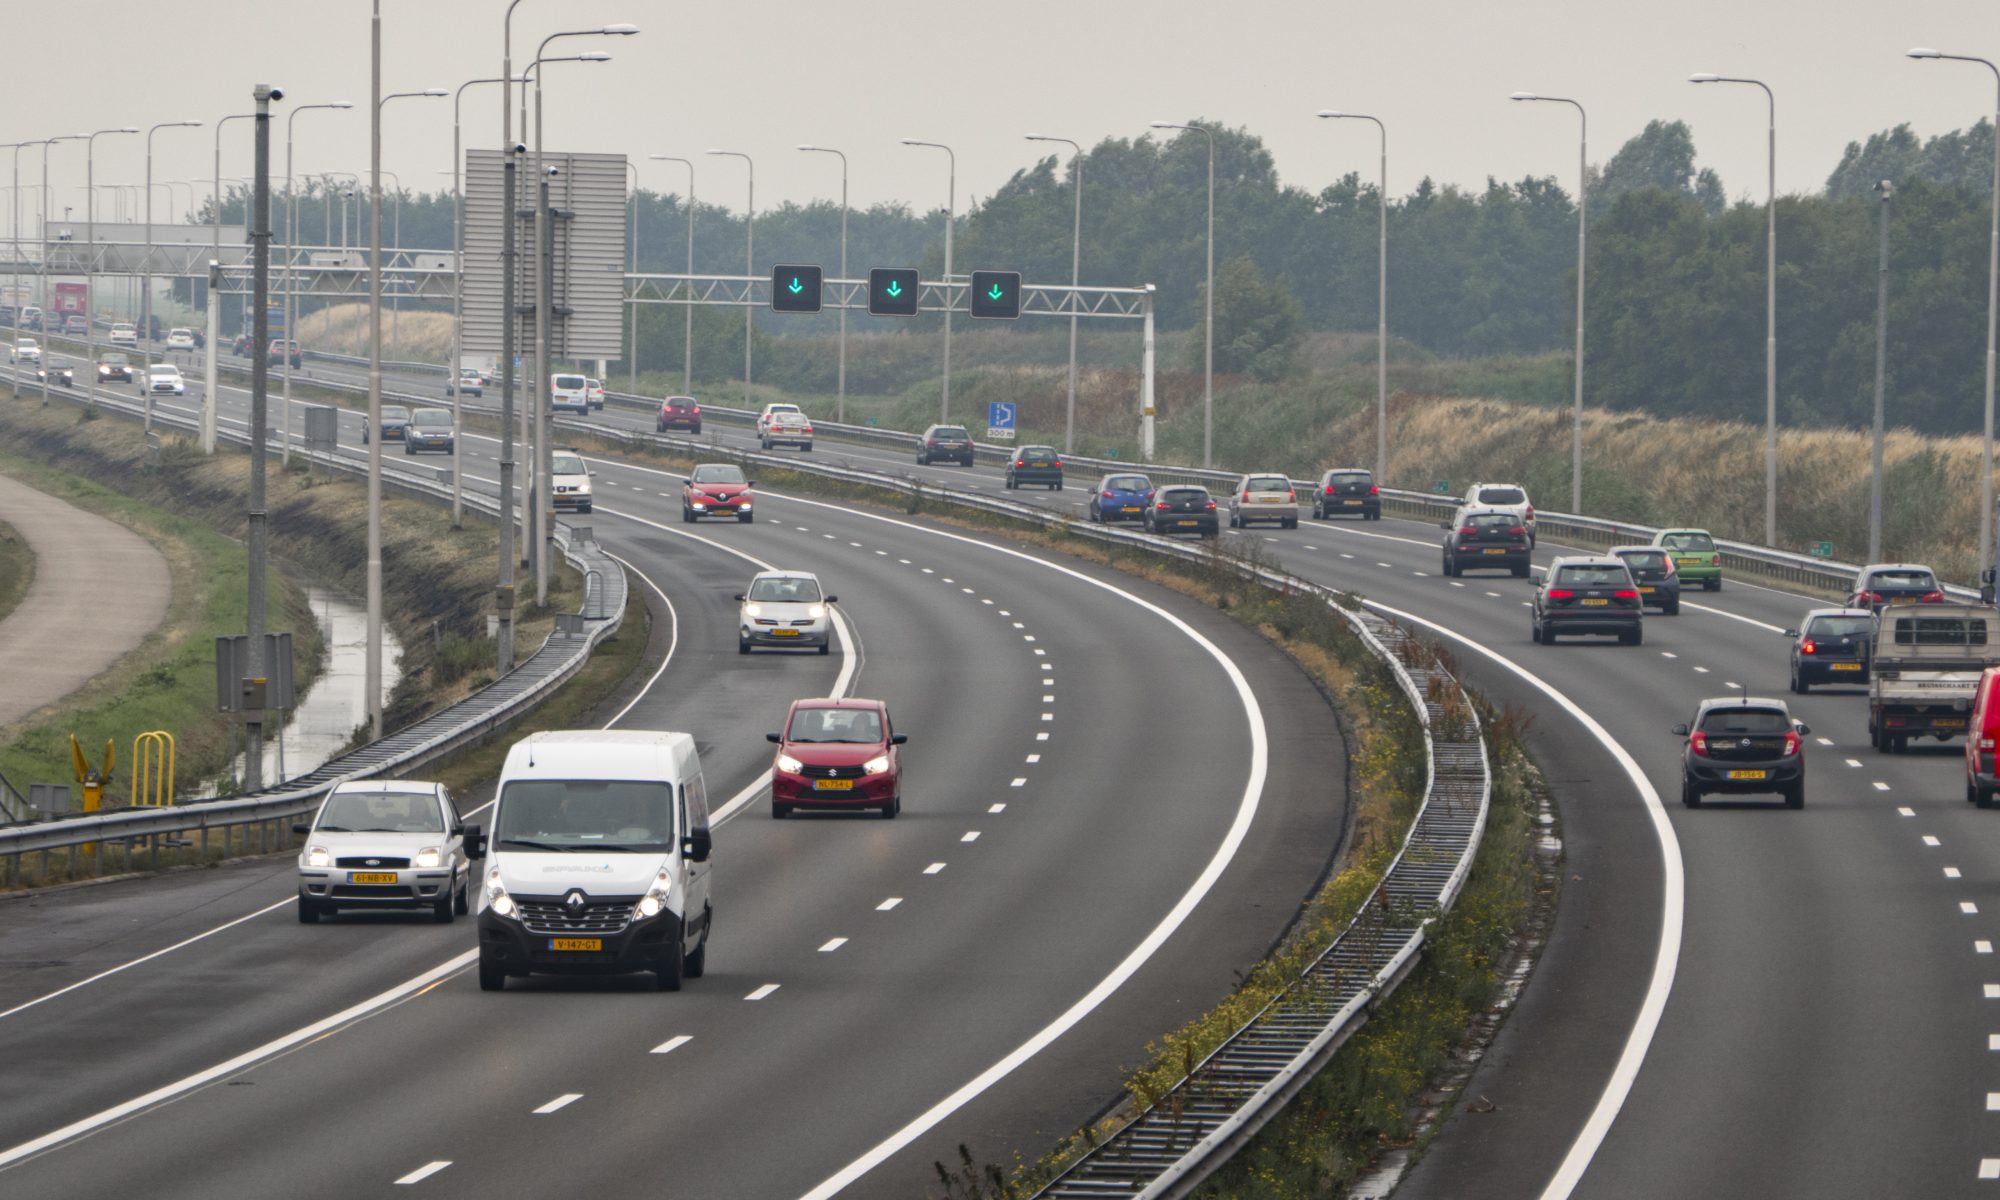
[
  {"x": 1653, "y": 570},
  {"x": 1831, "y": 646}
]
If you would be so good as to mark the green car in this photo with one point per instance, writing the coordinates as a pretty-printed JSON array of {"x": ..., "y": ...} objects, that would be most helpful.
[{"x": 1695, "y": 558}]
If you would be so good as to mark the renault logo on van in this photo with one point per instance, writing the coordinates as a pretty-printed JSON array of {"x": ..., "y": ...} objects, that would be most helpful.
[{"x": 574, "y": 902}]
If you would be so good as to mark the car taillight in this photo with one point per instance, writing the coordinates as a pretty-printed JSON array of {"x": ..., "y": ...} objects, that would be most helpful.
[
  {"x": 1670, "y": 566},
  {"x": 1211, "y": 504},
  {"x": 1059, "y": 464},
  {"x": 1164, "y": 506},
  {"x": 1373, "y": 490},
  {"x": 1329, "y": 489},
  {"x": 1698, "y": 742},
  {"x": 1561, "y": 594},
  {"x": 1104, "y": 495},
  {"x": 1871, "y": 597},
  {"x": 696, "y": 408},
  {"x": 1467, "y": 531},
  {"x": 1519, "y": 531},
  {"x": 1246, "y": 497},
  {"x": 1791, "y": 744},
  {"x": 1020, "y": 462},
  {"x": 1932, "y": 598},
  {"x": 1808, "y": 647},
  {"x": 1626, "y": 594},
  {"x": 1531, "y": 513}
]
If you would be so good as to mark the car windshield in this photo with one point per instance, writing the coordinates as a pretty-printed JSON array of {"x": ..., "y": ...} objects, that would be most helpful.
[
  {"x": 1127, "y": 483},
  {"x": 1268, "y": 483},
  {"x": 718, "y": 473},
  {"x": 1183, "y": 495},
  {"x": 680, "y": 402},
  {"x": 432, "y": 416},
  {"x": 1037, "y": 454},
  {"x": 1825, "y": 627},
  {"x": 1745, "y": 720},
  {"x": 572, "y": 382},
  {"x": 1651, "y": 560},
  {"x": 592, "y": 383},
  {"x": 115, "y": 360},
  {"x": 381, "y": 812},
  {"x": 1593, "y": 576},
  {"x": 1501, "y": 495},
  {"x": 566, "y": 464},
  {"x": 167, "y": 370},
  {"x": 954, "y": 433},
  {"x": 1916, "y": 579},
  {"x": 1688, "y": 541},
  {"x": 468, "y": 372},
  {"x": 1343, "y": 478},
  {"x": 395, "y": 412},
  {"x": 785, "y": 589},
  {"x": 604, "y": 815},
  {"x": 854, "y": 725}
]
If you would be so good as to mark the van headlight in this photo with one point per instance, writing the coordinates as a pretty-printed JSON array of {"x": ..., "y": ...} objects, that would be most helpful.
[
  {"x": 877, "y": 765},
  {"x": 319, "y": 857},
  {"x": 430, "y": 856},
  {"x": 497, "y": 898},
  {"x": 655, "y": 898},
  {"x": 790, "y": 765}
]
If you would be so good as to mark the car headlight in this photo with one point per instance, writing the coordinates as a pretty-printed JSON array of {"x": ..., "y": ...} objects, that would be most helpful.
[
  {"x": 430, "y": 856},
  {"x": 318, "y": 857},
  {"x": 497, "y": 898},
  {"x": 656, "y": 896},
  {"x": 745, "y": 506},
  {"x": 877, "y": 765},
  {"x": 790, "y": 765},
  {"x": 753, "y": 610},
  {"x": 816, "y": 611},
  {"x": 104, "y": 370},
  {"x": 698, "y": 506}
]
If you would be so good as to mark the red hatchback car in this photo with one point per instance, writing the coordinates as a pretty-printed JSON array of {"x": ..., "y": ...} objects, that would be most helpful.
[
  {"x": 717, "y": 490},
  {"x": 678, "y": 412},
  {"x": 837, "y": 754}
]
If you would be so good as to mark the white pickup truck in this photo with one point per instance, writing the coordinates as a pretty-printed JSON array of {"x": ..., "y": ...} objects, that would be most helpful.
[{"x": 1924, "y": 667}]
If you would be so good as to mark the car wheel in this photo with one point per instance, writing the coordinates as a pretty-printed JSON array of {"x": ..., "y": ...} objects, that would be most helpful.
[
  {"x": 463, "y": 904},
  {"x": 668, "y": 977},
  {"x": 687, "y": 515},
  {"x": 492, "y": 976},
  {"x": 1711, "y": 585},
  {"x": 1444, "y": 565},
  {"x": 695, "y": 965},
  {"x": 1690, "y": 794},
  {"x": 586, "y": 507},
  {"x": 808, "y": 447},
  {"x": 444, "y": 910},
  {"x": 890, "y": 809},
  {"x": 1521, "y": 572},
  {"x": 1900, "y": 744},
  {"x": 696, "y": 430},
  {"x": 1291, "y": 522},
  {"x": 763, "y": 443},
  {"x": 745, "y": 518},
  {"x": 1633, "y": 638},
  {"x": 742, "y": 647},
  {"x": 825, "y": 648},
  {"x": 309, "y": 911},
  {"x": 1981, "y": 797},
  {"x": 1671, "y": 608},
  {"x": 780, "y": 811},
  {"x": 1795, "y": 795},
  {"x": 408, "y": 449}
]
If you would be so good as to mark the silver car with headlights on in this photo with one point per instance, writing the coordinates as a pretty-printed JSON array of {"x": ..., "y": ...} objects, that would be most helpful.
[
  {"x": 394, "y": 844},
  {"x": 784, "y": 609}
]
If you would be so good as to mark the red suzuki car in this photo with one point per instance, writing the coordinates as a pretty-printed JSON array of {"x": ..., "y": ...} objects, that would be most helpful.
[
  {"x": 717, "y": 490},
  {"x": 837, "y": 754}
]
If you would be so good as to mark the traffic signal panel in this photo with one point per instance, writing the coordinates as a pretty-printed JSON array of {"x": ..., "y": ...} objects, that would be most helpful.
[
  {"x": 795, "y": 289},
  {"x": 892, "y": 291},
  {"x": 996, "y": 294}
]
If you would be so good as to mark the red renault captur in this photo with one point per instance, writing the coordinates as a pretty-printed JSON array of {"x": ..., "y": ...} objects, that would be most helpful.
[{"x": 837, "y": 754}]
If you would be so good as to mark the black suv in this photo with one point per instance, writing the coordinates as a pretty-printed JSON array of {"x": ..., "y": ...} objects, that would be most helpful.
[
  {"x": 1831, "y": 646},
  {"x": 1882, "y": 584},
  {"x": 1348, "y": 491},
  {"x": 1485, "y": 541},
  {"x": 1736, "y": 745},
  {"x": 1035, "y": 464},
  {"x": 946, "y": 443},
  {"x": 1185, "y": 509},
  {"x": 1587, "y": 595},
  {"x": 1653, "y": 570}
]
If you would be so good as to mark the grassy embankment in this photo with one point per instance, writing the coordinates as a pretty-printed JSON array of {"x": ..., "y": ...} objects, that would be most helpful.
[{"x": 17, "y": 569}]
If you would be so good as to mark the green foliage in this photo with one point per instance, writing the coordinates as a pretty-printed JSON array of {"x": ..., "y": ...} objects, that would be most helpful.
[
  {"x": 1961, "y": 159},
  {"x": 1660, "y": 158},
  {"x": 1256, "y": 324}
]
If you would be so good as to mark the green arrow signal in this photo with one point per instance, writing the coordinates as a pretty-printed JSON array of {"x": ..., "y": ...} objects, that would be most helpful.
[
  {"x": 796, "y": 287},
  {"x": 995, "y": 293},
  {"x": 894, "y": 289}
]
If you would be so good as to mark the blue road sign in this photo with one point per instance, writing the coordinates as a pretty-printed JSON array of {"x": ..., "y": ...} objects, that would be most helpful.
[{"x": 1000, "y": 415}]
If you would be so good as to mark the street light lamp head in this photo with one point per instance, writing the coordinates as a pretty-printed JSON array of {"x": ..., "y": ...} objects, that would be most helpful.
[
  {"x": 1162, "y": 125},
  {"x": 620, "y": 30},
  {"x": 434, "y": 92},
  {"x": 805, "y": 147},
  {"x": 1922, "y": 52},
  {"x": 593, "y": 56},
  {"x": 341, "y": 104},
  {"x": 1331, "y": 112},
  {"x": 1524, "y": 96},
  {"x": 1704, "y": 77}
]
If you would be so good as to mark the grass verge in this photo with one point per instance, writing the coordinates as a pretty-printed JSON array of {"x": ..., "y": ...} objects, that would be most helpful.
[{"x": 17, "y": 569}]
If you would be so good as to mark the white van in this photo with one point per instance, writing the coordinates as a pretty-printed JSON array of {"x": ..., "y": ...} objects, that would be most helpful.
[
  {"x": 597, "y": 863},
  {"x": 569, "y": 393}
]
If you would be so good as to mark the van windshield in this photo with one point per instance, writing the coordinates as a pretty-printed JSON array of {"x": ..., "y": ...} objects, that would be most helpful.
[{"x": 600, "y": 815}]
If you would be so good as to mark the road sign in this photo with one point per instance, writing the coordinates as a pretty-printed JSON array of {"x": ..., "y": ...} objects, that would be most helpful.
[
  {"x": 1000, "y": 421},
  {"x": 892, "y": 291},
  {"x": 996, "y": 294},
  {"x": 1822, "y": 550},
  {"x": 795, "y": 289},
  {"x": 1441, "y": 488}
]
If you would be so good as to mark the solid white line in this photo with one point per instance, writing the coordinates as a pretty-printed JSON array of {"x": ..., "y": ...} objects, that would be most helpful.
[
  {"x": 888, "y": 904},
  {"x": 832, "y": 945},
  {"x": 934, "y": 868},
  {"x": 424, "y": 1172},
  {"x": 762, "y": 992},
  {"x": 672, "y": 1044},
  {"x": 673, "y": 639},
  {"x": 1666, "y": 955},
  {"x": 119, "y": 1112},
  {"x": 562, "y": 1101}
]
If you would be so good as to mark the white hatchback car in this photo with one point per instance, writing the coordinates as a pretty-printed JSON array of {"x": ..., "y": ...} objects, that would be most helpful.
[
  {"x": 784, "y": 608},
  {"x": 771, "y": 411},
  {"x": 385, "y": 844},
  {"x": 180, "y": 339},
  {"x": 123, "y": 334},
  {"x": 164, "y": 379},
  {"x": 1264, "y": 498},
  {"x": 25, "y": 350}
]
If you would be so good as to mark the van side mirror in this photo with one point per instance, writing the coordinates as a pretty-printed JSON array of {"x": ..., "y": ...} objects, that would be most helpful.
[
  {"x": 302, "y": 827},
  {"x": 1681, "y": 730},
  {"x": 772, "y": 737},
  {"x": 899, "y": 739},
  {"x": 475, "y": 842},
  {"x": 697, "y": 845}
]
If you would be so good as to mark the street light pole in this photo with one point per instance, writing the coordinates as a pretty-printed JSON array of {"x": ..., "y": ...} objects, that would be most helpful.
[
  {"x": 749, "y": 255},
  {"x": 291, "y": 279},
  {"x": 260, "y": 385},
  {"x": 1770, "y": 305},
  {"x": 211, "y": 368},
  {"x": 458, "y": 302},
  {"x": 687, "y": 338},
  {"x": 950, "y": 220},
  {"x": 48, "y": 305},
  {"x": 146, "y": 297},
  {"x": 1208, "y": 306},
  {"x": 1075, "y": 276},
  {"x": 1883, "y": 190},
  {"x": 1992, "y": 309},
  {"x": 1381, "y": 295},
  {"x": 840, "y": 394},
  {"x": 631, "y": 308},
  {"x": 90, "y": 258},
  {"x": 1582, "y": 223}
]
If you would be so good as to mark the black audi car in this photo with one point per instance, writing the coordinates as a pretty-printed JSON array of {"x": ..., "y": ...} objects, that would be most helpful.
[
  {"x": 1184, "y": 509},
  {"x": 1587, "y": 595},
  {"x": 1485, "y": 541},
  {"x": 1831, "y": 646},
  {"x": 1738, "y": 745},
  {"x": 945, "y": 443}
]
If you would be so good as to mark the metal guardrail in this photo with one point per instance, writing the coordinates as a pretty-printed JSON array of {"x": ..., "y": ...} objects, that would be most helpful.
[
  {"x": 465, "y": 722},
  {"x": 1176, "y": 1143}
]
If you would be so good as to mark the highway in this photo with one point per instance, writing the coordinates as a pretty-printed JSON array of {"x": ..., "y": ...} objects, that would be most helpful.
[{"x": 1069, "y": 880}]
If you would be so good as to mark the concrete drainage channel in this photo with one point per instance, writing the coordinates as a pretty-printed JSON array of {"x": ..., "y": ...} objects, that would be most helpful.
[
  {"x": 263, "y": 817},
  {"x": 1171, "y": 1147}
]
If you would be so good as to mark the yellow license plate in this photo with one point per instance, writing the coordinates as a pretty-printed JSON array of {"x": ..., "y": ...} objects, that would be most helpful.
[
  {"x": 1494, "y": 550},
  {"x": 1594, "y": 603},
  {"x": 371, "y": 877},
  {"x": 1645, "y": 591},
  {"x": 1689, "y": 562},
  {"x": 1846, "y": 666},
  {"x": 1130, "y": 508},
  {"x": 1187, "y": 522},
  {"x": 784, "y": 633},
  {"x": 576, "y": 943},
  {"x": 1747, "y": 774},
  {"x": 1350, "y": 502},
  {"x": 833, "y": 785},
  {"x": 1948, "y": 723}
]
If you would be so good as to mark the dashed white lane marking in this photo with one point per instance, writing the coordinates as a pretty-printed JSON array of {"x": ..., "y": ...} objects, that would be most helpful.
[
  {"x": 1701, "y": 670},
  {"x": 966, "y": 590},
  {"x": 829, "y": 537},
  {"x": 662, "y": 494},
  {"x": 1347, "y": 556},
  {"x": 904, "y": 561},
  {"x": 1907, "y": 812},
  {"x": 1048, "y": 716},
  {"x": 672, "y": 1044},
  {"x": 1968, "y": 907},
  {"x": 1853, "y": 762},
  {"x": 1989, "y": 1168},
  {"x": 1495, "y": 595},
  {"x": 1456, "y": 583},
  {"x": 1034, "y": 758},
  {"x": 1930, "y": 840},
  {"x": 928, "y": 571},
  {"x": 1381, "y": 564},
  {"x": 996, "y": 808},
  {"x": 1733, "y": 684},
  {"x": 1270, "y": 539},
  {"x": 883, "y": 553},
  {"x": 1825, "y": 741},
  {"x": 985, "y": 600},
  {"x": 949, "y": 581},
  {"x": 832, "y": 944},
  {"x": 1027, "y": 637},
  {"x": 856, "y": 545},
  {"x": 1312, "y": 547},
  {"x": 934, "y": 868},
  {"x": 1880, "y": 786},
  {"x": 1040, "y": 652},
  {"x": 1982, "y": 946},
  {"x": 426, "y": 1171},
  {"x": 1020, "y": 781},
  {"x": 1668, "y": 654},
  {"x": 1005, "y": 613},
  {"x": 1041, "y": 737},
  {"x": 888, "y": 904},
  {"x": 1048, "y": 699},
  {"x": 1951, "y": 872},
  {"x": 1421, "y": 574},
  {"x": 762, "y": 992},
  {"x": 802, "y": 529},
  {"x": 970, "y": 835},
  {"x": 1019, "y": 625},
  {"x": 1992, "y": 991},
  {"x": 562, "y": 1101},
  {"x": 1993, "y": 1102}
]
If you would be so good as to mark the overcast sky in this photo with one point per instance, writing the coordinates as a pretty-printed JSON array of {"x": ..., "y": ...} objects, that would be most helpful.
[{"x": 859, "y": 74}]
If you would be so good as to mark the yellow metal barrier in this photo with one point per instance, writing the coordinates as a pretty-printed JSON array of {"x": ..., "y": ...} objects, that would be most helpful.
[
  {"x": 92, "y": 781},
  {"x": 153, "y": 770}
]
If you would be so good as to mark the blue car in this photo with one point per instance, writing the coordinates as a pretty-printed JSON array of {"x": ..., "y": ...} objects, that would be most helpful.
[{"x": 1120, "y": 498}]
